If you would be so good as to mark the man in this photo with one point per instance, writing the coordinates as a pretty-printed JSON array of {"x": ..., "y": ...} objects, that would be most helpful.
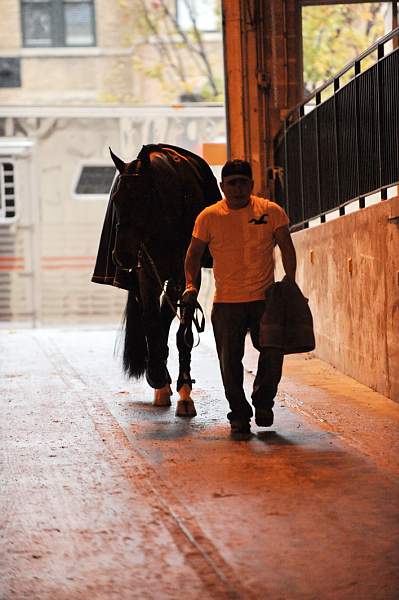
[{"x": 241, "y": 231}]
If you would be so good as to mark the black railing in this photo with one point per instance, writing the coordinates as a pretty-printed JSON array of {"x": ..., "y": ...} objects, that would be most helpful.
[{"x": 332, "y": 152}]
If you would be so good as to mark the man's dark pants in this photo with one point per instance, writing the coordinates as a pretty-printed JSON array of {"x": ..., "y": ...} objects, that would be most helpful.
[{"x": 231, "y": 321}]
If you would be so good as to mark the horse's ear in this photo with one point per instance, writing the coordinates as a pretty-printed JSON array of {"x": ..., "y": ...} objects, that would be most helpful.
[{"x": 119, "y": 164}]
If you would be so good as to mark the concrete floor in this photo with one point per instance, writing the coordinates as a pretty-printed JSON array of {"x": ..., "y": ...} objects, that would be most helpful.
[{"x": 104, "y": 496}]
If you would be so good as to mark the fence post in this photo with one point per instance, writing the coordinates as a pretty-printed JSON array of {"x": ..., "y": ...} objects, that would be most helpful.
[
  {"x": 301, "y": 114},
  {"x": 336, "y": 88},
  {"x": 318, "y": 101},
  {"x": 287, "y": 187},
  {"x": 380, "y": 55}
]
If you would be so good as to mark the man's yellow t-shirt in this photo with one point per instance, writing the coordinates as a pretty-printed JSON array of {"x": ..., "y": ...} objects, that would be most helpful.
[{"x": 241, "y": 242}]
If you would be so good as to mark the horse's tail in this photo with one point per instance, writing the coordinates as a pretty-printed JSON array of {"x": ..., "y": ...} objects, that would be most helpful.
[{"x": 135, "y": 346}]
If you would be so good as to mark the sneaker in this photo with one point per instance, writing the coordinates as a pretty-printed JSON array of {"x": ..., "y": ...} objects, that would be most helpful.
[
  {"x": 240, "y": 427},
  {"x": 264, "y": 417}
]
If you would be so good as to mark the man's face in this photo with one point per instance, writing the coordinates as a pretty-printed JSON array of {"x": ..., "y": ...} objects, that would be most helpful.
[{"x": 237, "y": 189}]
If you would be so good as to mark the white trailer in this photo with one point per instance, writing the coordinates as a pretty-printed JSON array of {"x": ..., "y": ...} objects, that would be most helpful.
[{"x": 55, "y": 176}]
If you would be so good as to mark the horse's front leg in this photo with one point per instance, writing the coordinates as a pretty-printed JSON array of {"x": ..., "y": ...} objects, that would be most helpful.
[
  {"x": 185, "y": 405},
  {"x": 157, "y": 374},
  {"x": 162, "y": 396}
]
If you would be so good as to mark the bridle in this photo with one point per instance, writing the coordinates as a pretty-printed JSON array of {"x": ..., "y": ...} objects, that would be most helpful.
[
  {"x": 120, "y": 226},
  {"x": 188, "y": 312}
]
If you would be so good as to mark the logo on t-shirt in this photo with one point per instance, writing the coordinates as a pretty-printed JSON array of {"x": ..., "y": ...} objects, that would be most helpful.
[{"x": 261, "y": 221}]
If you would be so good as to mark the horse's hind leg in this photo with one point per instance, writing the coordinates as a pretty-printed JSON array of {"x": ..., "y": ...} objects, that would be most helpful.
[
  {"x": 167, "y": 314},
  {"x": 156, "y": 373},
  {"x": 162, "y": 396}
]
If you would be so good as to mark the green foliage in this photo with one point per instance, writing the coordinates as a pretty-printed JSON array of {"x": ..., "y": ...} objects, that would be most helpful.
[
  {"x": 207, "y": 92},
  {"x": 334, "y": 35},
  {"x": 180, "y": 58}
]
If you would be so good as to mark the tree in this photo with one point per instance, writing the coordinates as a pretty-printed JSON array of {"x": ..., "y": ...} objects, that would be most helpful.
[
  {"x": 181, "y": 60},
  {"x": 334, "y": 35}
]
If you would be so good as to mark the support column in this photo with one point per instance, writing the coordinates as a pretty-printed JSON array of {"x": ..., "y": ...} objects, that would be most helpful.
[{"x": 263, "y": 71}]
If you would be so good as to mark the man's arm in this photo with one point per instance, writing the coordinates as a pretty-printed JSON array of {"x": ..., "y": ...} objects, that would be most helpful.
[
  {"x": 192, "y": 265},
  {"x": 288, "y": 254}
]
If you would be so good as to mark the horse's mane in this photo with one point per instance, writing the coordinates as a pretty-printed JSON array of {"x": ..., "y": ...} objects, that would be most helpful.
[
  {"x": 175, "y": 156},
  {"x": 177, "y": 159},
  {"x": 195, "y": 187},
  {"x": 192, "y": 180}
]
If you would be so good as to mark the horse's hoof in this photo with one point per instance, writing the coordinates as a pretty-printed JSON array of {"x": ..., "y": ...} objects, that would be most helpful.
[
  {"x": 185, "y": 408},
  {"x": 162, "y": 396}
]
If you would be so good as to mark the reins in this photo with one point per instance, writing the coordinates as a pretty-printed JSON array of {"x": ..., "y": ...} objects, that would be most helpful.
[
  {"x": 159, "y": 280},
  {"x": 189, "y": 312}
]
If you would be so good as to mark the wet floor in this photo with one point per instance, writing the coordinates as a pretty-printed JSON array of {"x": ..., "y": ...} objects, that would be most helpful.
[{"x": 105, "y": 496}]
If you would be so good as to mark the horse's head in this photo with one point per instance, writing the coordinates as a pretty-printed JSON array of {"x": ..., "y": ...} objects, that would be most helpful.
[{"x": 131, "y": 199}]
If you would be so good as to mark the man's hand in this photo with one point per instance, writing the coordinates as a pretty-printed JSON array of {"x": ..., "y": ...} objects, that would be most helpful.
[
  {"x": 288, "y": 254},
  {"x": 189, "y": 295}
]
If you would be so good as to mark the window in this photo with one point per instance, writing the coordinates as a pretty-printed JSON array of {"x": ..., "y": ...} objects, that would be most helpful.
[
  {"x": 94, "y": 181},
  {"x": 48, "y": 23},
  {"x": 203, "y": 12},
  {"x": 7, "y": 191},
  {"x": 10, "y": 72}
]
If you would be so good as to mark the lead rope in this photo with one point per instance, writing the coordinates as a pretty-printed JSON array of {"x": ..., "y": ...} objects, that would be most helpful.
[
  {"x": 159, "y": 280},
  {"x": 186, "y": 319}
]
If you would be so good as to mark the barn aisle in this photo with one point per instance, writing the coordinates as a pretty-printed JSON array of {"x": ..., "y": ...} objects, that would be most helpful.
[{"x": 104, "y": 496}]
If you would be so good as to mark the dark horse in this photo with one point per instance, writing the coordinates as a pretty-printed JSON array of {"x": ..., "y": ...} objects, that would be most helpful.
[{"x": 147, "y": 229}]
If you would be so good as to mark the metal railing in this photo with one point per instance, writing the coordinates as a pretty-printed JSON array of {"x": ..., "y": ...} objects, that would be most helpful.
[{"x": 334, "y": 151}]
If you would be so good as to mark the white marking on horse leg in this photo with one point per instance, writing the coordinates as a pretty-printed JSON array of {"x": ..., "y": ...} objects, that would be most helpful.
[
  {"x": 185, "y": 406},
  {"x": 162, "y": 396}
]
